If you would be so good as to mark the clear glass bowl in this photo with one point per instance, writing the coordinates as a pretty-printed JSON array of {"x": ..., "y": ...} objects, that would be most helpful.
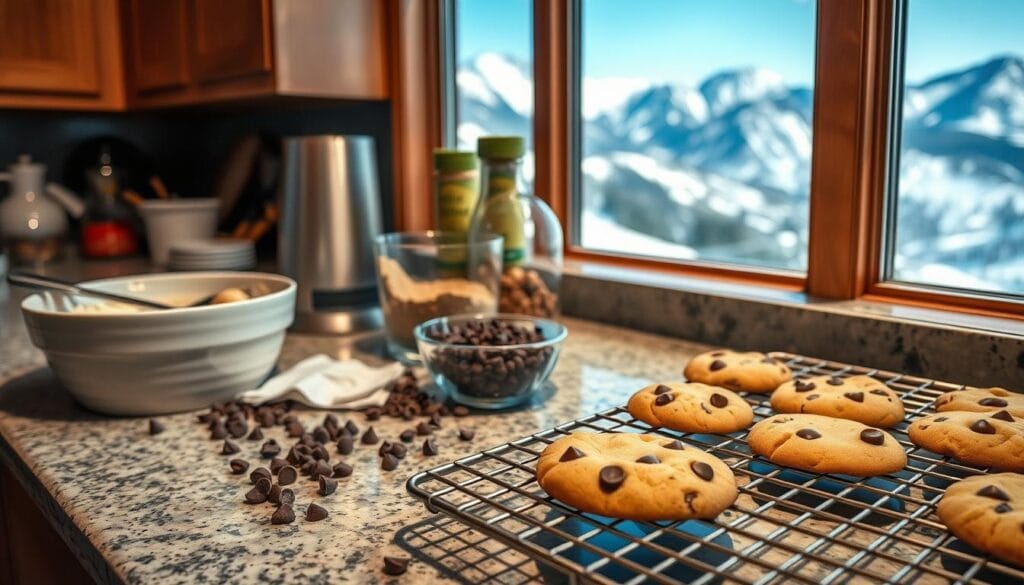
[
  {"x": 490, "y": 377},
  {"x": 423, "y": 275}
]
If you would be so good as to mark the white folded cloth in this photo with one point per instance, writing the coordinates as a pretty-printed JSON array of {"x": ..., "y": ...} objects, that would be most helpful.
[{"x": 323, "y": 382}]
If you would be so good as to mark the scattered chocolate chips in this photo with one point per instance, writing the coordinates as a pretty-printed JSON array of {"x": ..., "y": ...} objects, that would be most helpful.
[
  {"x": 229, "y": 448},
  {"x": 663, "y": 399},
  {"x": 345, "y": 444},
  {"x": 255, "y": 496},
  {"x": 983, "y": 427},
  {"x": 258, "y": 473},
  {"x": 238, "y": 466},
  {"x": 872, "y": 436},
  {"x": 716, "y": 365},
  {"x": 429, "y": 448},
  {"x": 283, "y": 515},
  {"x": 466, "y": 434},
  {"x": 675, "y": 445},
  {"x": 327, "y": 485},
  {"x": 1002, "y": 508},
  {"x": 802, "y": 386},
  {"x": 855, "y": 396},
  {"x": 407, "y": 435},
  {"x": 287, "y": 475},
  {"x": 270, "y": 448},
  {"x": 662, "y": 389},
  {"x": 649, "y": 459},
  {"x": 155, "y": 427},
  {"x": 994, "y": 492},
  {"x": 395, "y": 565},
  {"x": 369, "y": 437},
  {"x": 808, "y": 434},
  {"x": 571, "y": 454},
  {"x": 255, "y": 435},
  {"x": 610, "y": 478},
  {"x": 342, "y": 470},
  {"x": 702, "y": 470},
  {"x": 719, "y": 401},
  {"x": 389, "y": 462},
  {"x": 423, "y": 429},
  {"x": 315, "y": 513},
  {"x": 835, "y": 381},
  {"x": 991, "y": 401},
  {"x": 1002, "y": 415}
]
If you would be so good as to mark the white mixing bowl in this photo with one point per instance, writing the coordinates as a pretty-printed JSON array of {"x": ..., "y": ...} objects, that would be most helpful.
[{"x": 163, "y": 361}]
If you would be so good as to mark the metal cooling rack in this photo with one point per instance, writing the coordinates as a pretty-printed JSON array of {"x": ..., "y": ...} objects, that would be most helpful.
[{"x": 786, "y": 526}]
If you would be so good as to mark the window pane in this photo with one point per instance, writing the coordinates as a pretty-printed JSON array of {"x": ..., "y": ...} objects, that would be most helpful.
[
  {"x": 959, "y": 213},
  {"x": 696, "y": 129},
  {"x": 494, "y": 71}
]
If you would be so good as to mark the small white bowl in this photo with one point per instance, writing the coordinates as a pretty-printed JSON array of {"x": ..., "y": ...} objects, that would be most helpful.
[
  {"x": 171, "y": 221},
  {"x": 173, "y": 360}
]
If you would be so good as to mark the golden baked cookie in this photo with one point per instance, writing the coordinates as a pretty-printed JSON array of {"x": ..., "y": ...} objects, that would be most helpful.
[
  {"x": 986, "y": 439},
  {"x": 636, "y": 477},
  {"x": 859, "y": 398},
  {"x": 987, "y": 512},
  {"x": 749, "y": 371},
  {"x": 691, "y": 407},
  {"x": 823, "y": 444},
  {"x": 982, "y": 400}
]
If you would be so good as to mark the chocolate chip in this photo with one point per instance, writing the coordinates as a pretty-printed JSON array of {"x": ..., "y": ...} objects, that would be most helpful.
[
  {"x": 994, "y": 492},
  {"x": 872, "y": 436},
  {"x": 327, "y": 485},
  {"x": 650, "y": 459},
  {"x": 219, "y": 431},
  {"x": 276, "y": 464},
  {"x": 663, "y": 399},
  {"x": 423, "y": 429},
  {"x": 716, "y": 365},
  {"x": 610, "y": 478},
  {"x": 315, "y": 513},
  {"x": 287, "y": 496},
  {"x": 320, "y": 469},
  {"x": 703, "y": 470},
  {"x": 1002, "y": 508},
  {"x": 460, "y": 411},
  {"x": 808, "y": 434},
  {"x": 717, "y": 353},
  {"x": 407, "y": 435},
  {"x": 287, "y": 475},
  {"x": 274, "y": 496},
  {"x": 1002, "y": 415},
  {"x": 662, "y": 389},
  {"x": 372, "y": 413},
  {"x": 811, "y": 397},
  {"x": 229, "y": 448},
  {"x": 321, "y": 454},
  {"x": 270, "y": 448},
  {"x": 238, "y": 428},
  {"x": 990, "y": 401},
  {"x": 943, "y": 419},
  {"x": 571, "y": 454},
  {"x": 385, "y": 447},
  {"x": 389, "y": 462},
  {"x": 801, "y": 386},
  {"x": 155, "y": 427},
  {"x": 855, "y": 396},
  {"x": 238, "y": 466},
  {"x": 263, "y": 484},
  {"x": 398, "y": 450},
  {"x": 255, "y": 496},
  {"x": 255, "y": 435},
  {"x": 466, "y": 434},
  {"x": 429, "y": 448},
  {"x": 345, "y": 444},
  {"x": 435, "y": 420},
  {"x": 395, "y": 565},
  {"x": 351, "y": 427},
  {"x": 983, "y": 427},
  {"x": 879, "y": 392},
  {"x": 342, "y": 470},
  {"x": 294, "y": 429},
  {"x": 258, "y": 473},
  {"x": 675, "y": 445},
  {"x": 835, "y": 381},
  {"x": 321, "y": 435},
  {"x": 369, "y": 437},
  {"x": 283, "y": 515},
  {"x": 719, "y": 401}
]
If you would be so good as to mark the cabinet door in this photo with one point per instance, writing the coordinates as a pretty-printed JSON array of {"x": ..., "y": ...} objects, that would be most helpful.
[
  {"x": 232, "y": 39},
  {"x": 49, "y": 46},
  {"x": 158, "y": 44}
]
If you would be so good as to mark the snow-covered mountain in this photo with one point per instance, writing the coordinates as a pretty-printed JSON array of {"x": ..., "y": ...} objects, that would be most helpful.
[{"x": 721, "y": 171}]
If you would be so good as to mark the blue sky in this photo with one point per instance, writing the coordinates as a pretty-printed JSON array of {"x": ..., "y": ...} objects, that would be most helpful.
[{"x": 686, "y": 40}]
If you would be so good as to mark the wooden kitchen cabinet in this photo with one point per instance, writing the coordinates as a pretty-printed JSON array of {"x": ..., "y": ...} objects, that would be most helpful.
[{"x": 61, "y": 54}]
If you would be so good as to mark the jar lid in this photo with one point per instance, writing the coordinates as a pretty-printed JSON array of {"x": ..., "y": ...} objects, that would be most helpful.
[
  {"x": 501, "y": 146},
  {"x": 454, "y": 160}
]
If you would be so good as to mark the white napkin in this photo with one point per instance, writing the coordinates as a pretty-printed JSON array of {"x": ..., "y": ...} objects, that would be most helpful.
[{"x": 323, "y": 382}]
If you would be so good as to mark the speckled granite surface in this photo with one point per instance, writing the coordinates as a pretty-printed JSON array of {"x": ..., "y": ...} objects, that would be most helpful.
[{"x": 164, "y": 509}]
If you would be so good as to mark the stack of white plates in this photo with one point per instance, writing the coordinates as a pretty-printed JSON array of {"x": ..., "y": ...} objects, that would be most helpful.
[{"x": 217, "y": 254}]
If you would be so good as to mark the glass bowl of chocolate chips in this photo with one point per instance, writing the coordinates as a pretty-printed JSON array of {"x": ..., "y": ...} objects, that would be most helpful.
[{"x": 490, "y": 361}]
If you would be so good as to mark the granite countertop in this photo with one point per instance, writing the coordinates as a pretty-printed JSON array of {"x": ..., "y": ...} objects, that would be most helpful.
[{"x": 159, "y": 509}]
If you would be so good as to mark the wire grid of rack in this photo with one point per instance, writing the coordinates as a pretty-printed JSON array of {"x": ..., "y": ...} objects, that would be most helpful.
[{"x": 786, "y": 525}]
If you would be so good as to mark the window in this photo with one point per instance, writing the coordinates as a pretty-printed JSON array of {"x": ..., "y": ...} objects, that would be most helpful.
[
  {"x": 695, "y": 129},
  {"x": 494, "y": 72},
  {"x": 956, "y": 214}
]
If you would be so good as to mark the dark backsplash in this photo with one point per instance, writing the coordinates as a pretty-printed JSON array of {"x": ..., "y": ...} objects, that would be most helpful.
[{"x": 188, "y": 145}]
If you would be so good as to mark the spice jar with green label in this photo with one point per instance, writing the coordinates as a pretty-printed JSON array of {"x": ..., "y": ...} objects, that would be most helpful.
[
  {"x": 456, "y": 189},
  {"x": 532, "y": 258}
]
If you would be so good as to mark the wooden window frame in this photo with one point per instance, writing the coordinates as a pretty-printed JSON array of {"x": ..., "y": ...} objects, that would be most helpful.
[{"x": 850, "y": 174}]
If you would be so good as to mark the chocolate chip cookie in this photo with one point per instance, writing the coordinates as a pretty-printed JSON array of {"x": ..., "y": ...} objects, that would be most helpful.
[
  {"x": 987, "y": 439},
  {"x": 691, "y": 407},
  {"x": 635, "y": 477},
  {"x": 982, "y": 400},
  {"x": 744, "y": 371},
  {"x": 987, "y": 512},
  {"x": 823, "y": 444},
  {"x": 859, "y": 398}
]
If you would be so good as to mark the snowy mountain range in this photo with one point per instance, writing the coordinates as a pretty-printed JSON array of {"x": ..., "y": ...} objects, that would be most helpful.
[{"x": 721, "y": 171}]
